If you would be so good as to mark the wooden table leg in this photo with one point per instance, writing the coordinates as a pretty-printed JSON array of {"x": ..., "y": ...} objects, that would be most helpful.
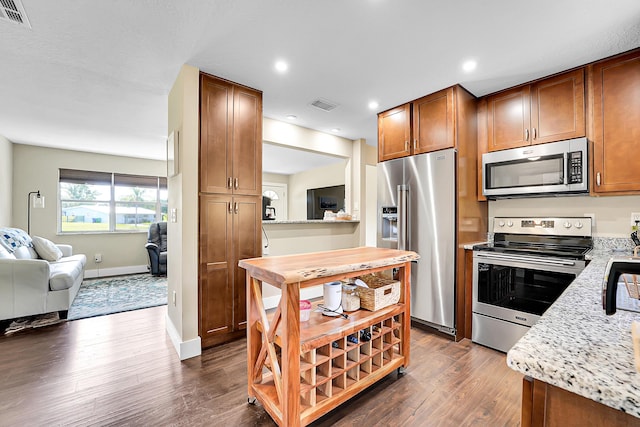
[
  {"x": 290, "y": 303},
  {"x": 253, "y": 336},
  {"x": 405, "y": 275}
]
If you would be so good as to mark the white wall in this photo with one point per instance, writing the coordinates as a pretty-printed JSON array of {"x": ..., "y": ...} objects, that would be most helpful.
[
  {"x": 289, "y": 239},
  {"x": 36, "y": 168},
  {"x": 299, "y": 183},
  {"x": 182, "y": 256},
  {"x": 6, "y": 181},
  {"x": 612, "y": 213}
]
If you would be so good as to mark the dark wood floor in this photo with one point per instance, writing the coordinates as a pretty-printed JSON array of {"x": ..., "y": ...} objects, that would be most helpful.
[{"x": 122, "y": 370}]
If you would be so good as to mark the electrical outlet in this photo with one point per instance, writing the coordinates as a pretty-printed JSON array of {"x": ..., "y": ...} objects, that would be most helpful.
[
  {"x": 265, "y": 250},
  {"x": 635, "y": 216},
  {"x": 173, "y": 298},
  {"x": 98, "y": 258}
]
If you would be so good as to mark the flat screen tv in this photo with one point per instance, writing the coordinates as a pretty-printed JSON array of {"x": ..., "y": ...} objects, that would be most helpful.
[{"x": 323, "y": 199}]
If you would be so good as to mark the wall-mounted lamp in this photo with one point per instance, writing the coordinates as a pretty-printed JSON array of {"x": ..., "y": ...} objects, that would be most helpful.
[{"x": 36, "y": 202}]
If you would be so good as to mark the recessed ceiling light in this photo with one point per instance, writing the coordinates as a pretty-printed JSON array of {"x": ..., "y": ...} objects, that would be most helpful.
[
  {"x": 281, "y": 66},
  {"x": 291, "y": 117},
  {"x": 469, "y": 65},
  {"x": 335, "y": 130},
  {"x": 373, "y": 105}
]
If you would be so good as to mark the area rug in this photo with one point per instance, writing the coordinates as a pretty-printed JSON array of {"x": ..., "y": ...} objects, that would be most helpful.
[
  {"x": 37, "y": 321},
  {"x": 98, "y": 297}
]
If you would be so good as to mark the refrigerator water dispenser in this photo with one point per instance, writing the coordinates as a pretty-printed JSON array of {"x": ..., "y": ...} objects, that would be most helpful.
[{"x": 390, "y": 223}]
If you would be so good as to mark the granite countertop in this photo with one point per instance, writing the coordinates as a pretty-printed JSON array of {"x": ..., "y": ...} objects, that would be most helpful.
[
  {"x": 310, "y": 221},
  {"x": 577, "y": 347}
]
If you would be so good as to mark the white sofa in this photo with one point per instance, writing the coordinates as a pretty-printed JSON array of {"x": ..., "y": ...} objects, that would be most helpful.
[{"x": 31, "y": 285}]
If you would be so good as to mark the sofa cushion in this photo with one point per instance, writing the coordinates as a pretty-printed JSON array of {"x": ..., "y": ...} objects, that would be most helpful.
[
  {"x": 14, "y": 238},
  {"x": 25, "y": 252},
  {"x": 81, "y": 258},
  {"x": 46, "y": 248},
  {"x": 4, "y": 254},
  {"x": 62, "y": 275}
]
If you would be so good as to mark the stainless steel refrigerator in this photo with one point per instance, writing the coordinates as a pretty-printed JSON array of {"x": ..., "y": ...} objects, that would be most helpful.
[{"x": 417, "y": 212}]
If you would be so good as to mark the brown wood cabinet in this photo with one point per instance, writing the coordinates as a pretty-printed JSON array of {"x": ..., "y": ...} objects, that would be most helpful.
[
  {"x": 421, "y": 126},
  {"x": 546, "y": 405},
  {"x": 230, "y": 138},
  {"x": 615, "y": 129},
  {"x": 434, "y": 122},
  {"x": 230, "y": 204},
  {"x": 545, "y": 111},
  {"x": 394, "y": 133},
  {"x": 230, "y": 231},
  {"x": 483, "y": 145}
]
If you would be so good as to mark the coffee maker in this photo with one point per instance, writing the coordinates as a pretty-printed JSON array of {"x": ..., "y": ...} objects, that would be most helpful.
[{"x": 268, "y": 211}]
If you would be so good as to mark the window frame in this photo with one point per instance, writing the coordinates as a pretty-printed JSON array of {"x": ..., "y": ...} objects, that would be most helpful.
[{"x": 158, "y": 184}]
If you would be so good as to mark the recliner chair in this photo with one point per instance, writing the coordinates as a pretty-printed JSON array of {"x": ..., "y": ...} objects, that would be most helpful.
[{"x": 157, "y": 248}]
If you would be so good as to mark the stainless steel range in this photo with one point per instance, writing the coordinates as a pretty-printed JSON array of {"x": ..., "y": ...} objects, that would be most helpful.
[{"x": 517, "y": 277}]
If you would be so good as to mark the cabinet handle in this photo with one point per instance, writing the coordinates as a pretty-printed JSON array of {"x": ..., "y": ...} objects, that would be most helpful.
[
  {"x": 229, "y": 207},
  {"x": 598, "y": 179},
  {"x": 526, "y": 134},
  {"x": 406, "y": 146},
  {"x": 229, "y": 183},
  {"x": 415, "y": 145},
  {"x": 535, "y": 133},
  {"x": 235, "y": 207},
  {"x": 235, "y": 183}
]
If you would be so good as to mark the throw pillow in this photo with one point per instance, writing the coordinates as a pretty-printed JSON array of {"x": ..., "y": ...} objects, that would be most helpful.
[
  {"x": 14, "y": 238},
  {"x": 4, "y": 254},
  {"x": 46, "y": 248}
]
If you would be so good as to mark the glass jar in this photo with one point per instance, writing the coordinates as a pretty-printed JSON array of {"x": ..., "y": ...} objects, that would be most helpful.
[{"x": 350, "y": 298}]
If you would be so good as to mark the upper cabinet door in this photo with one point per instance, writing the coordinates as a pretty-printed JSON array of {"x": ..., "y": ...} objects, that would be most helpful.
[
  {"x": 230, "y": 138},
  {"x": 433, "y": 122},
  {"x": 557, "y": 108},
  {"x": 394, "y": 133},
  {"x": 247, "y": 141},
  {"x": 216, "y": 105},
  {"x": 508, "y": 119},
  {"x": 615, "y": 87}
]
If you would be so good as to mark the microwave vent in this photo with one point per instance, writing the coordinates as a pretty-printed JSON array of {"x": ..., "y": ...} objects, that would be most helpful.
[
  {"x": 13, "y": 11},
  {"x": 324, "y": 104}
]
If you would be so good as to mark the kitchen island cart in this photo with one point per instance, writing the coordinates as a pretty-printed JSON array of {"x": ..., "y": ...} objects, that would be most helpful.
[{"x": 301, "y": 371}]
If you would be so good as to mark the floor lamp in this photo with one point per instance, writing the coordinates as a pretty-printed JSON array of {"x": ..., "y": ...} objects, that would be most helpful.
[{"x": 38, "y": 202}]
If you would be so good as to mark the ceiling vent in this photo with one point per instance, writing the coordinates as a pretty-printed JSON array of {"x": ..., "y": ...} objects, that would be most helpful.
[
  {"x": 320, "y": 103},
  {"x": 13, "y": 11}
]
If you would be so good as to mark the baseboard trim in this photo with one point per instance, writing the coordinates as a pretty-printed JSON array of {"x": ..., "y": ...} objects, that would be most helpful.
[
  {"x": 306, "y": 293},
  {"x": 185, "y": 349},
  {"x": 116, "y": 271}
]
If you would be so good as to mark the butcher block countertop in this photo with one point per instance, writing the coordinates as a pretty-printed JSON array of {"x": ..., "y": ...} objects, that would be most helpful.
[
  {"x": 577, "y": 347},
  {"x": 294, "y": 269}
]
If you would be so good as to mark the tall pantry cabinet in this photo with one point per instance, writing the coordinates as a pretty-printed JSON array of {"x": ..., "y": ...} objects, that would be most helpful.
[{"x": 230, "y": 204}]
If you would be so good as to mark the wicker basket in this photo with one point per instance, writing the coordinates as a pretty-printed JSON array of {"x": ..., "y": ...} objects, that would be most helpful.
[{"x": 380, "y": 293}]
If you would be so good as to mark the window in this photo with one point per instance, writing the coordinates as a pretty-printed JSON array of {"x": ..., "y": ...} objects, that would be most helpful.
[{"x": 108, "y": 202}]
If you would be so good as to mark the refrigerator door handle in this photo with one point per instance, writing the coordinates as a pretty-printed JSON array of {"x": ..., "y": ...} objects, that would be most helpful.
[{"x": 403, "y": 217}]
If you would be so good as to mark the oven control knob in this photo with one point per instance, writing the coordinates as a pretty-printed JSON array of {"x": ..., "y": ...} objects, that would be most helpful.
[
  {"x": 500, "y": 223},
  {"x": 567, "y": 224},
  {"x": 510, "y": 224},
  {"x": 578, "y": 225}
]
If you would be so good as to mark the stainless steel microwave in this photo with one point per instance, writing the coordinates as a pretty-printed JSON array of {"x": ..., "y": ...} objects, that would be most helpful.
[{"x": 554, "y": 168}]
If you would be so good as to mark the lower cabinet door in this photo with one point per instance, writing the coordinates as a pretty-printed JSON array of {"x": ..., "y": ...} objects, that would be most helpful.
[{"x": 216, "y": 268}]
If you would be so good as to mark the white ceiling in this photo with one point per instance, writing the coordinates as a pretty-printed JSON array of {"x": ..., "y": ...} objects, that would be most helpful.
[{"x": 95, "y": 76}]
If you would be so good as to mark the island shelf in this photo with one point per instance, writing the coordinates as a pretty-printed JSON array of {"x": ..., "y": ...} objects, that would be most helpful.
[{"x": 300, "y": 371}]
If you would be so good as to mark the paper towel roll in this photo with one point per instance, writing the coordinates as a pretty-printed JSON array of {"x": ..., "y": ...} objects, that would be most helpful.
[{"x": 332, "y": 293}]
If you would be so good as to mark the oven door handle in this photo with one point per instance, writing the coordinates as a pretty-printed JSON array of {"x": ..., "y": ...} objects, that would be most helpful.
[{"x": 529, "y": 260}]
